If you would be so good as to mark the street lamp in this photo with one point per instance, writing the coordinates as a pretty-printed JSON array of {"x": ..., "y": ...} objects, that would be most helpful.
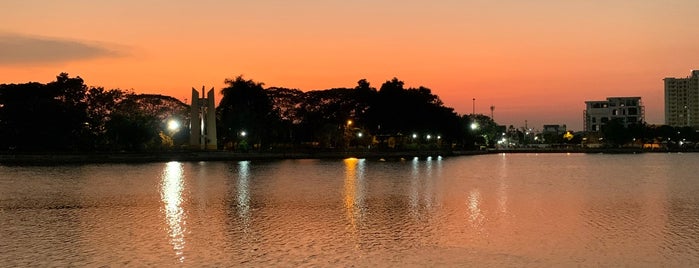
[
  {"x": 474, "y": 126},
  {"x": 173, "y": 125},
  {"x": 347, "y": 134},
  {"x": 242, "y": 142}
]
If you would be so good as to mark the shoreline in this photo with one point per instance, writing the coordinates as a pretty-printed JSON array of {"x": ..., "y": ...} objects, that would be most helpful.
[
  {"x": 47, "y": 158},
  {"x": 58, "y": 158}
]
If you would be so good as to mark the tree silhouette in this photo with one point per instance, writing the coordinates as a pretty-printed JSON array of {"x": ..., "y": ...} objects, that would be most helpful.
[
  {"x": 66, "y": 115},
  {"x": 615, "y": 133},
  {"x": 45, "y": 117},
  {"x": 101, "y": 106},
  {"x": 245, "y": 106}
]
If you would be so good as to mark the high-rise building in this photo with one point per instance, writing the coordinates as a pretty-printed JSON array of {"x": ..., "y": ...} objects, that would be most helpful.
[
  {"x": 682, "y": 101},
  {"x": 597, "y": 113}
]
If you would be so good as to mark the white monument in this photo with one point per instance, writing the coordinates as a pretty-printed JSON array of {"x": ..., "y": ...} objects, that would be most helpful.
[{"x": 203, "y": 121}]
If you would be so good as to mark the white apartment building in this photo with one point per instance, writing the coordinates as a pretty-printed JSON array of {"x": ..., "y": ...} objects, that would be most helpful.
[
  {"x": 682, "y": 101},
  {"x": 598, "y": 113}
]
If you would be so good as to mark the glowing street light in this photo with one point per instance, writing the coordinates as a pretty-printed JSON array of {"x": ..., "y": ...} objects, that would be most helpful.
[
  {"x": 474, "y": 126},
  {"x": 243, "y": 133},
  {"x": 429, "y": 136},
  {"x": 173, "y": 125},
  {"x": 359, "y": 134}
]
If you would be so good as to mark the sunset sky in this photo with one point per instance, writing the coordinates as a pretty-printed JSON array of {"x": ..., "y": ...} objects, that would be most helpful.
[{"x": 534, "y": 60}]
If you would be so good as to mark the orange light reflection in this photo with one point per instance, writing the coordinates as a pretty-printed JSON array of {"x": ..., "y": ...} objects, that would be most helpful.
[{"x": 354, "y": 190}]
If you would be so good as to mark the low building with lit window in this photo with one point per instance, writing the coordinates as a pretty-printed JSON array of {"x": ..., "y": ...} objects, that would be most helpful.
[
  {"x": 554, "y": 129},
  {"x": 597, "y": 113}
]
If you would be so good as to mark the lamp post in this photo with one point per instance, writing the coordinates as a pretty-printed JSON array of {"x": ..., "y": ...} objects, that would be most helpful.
[
  {"x": 242, "y": 141},
  {"x": 173, "y": 126},
  {"x": 474, "y": 130},
  {"x": 348, "y": 134}
]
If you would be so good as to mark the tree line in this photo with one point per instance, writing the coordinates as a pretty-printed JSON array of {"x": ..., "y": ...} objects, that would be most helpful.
[
  {"x": 390, "y": 117},
  {"x": 616, "y": 134},
  {"x": 68, "y": 115}
]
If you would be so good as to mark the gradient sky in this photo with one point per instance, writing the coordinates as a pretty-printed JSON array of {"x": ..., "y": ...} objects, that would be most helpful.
[{"x": 534, "y": 60}]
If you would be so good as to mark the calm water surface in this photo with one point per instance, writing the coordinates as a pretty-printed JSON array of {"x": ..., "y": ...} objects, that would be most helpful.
[{"x": 493, "y": 210}]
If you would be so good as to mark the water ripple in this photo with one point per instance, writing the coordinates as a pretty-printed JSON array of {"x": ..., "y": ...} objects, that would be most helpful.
[{"x": 493, "y": 210}]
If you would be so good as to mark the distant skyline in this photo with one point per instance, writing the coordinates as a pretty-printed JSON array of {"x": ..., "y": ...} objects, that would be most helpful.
[{"x": 537, "y": 61}]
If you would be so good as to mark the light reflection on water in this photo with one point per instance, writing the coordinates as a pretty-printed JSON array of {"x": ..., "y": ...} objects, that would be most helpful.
[
  {"x": 354, "y": 191},
  {"x": 502, "y": 184},
  {"x": 244, "y": 191},
  {"x": 171, "y": 193},
  {"x": 493, "y": 210},
  {"x": 474, "y": 209}
]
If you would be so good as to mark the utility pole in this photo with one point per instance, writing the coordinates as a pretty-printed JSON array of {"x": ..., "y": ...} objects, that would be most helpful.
[
  {"x": 474, "y": 107},
  {"x": 492, "y": 110}
]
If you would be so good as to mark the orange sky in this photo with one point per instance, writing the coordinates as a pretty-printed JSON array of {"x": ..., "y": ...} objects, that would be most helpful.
[{"x": 533, "y": 60}]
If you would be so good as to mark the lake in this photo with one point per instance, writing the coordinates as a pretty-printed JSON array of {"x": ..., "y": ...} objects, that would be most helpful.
[{"x": 505, "y": 210}]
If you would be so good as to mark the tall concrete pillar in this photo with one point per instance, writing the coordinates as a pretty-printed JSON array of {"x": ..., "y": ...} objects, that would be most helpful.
[
  {"x": 211, "y": 121},
  {"x": 203, "y": 121},
  {"x": 195, "y": 121}
]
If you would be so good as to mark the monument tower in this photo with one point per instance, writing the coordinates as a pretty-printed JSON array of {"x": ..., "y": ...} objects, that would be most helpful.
[{"x": 202, "y": 129}]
